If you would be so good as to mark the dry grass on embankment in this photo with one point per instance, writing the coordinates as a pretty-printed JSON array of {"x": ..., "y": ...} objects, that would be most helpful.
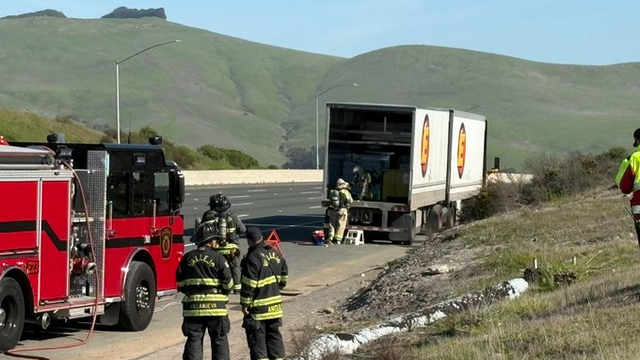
[{"x": 586, "y": 240}]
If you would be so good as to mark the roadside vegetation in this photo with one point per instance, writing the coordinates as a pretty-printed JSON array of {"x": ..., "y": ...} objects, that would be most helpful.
[
  {"x": 24, "y": 126},
  {"x": 583, "y": 300}
]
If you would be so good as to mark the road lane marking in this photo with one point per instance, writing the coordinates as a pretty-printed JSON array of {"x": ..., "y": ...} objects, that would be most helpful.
[
  {"x": 315, "y": 207},
  {"x": 315, "y": 198},
  {"x": 256, "y": 190},
  {"x": 243, "y": 204},
  {"x": 243, "y": 215},
  {"x": 237, "y": 196},
  {"x": 309, "y": 192}
]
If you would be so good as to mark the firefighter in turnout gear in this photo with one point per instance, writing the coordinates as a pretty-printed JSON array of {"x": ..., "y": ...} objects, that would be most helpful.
[
  {"x": 264, "y": 274},
  {"x": 628, "y": 180},
  {"x": 230, "y": 226},
  {"x": 363, "y": 179},
  {"x": 337, "y": 213},
  {"x": 204, "y": 277}
]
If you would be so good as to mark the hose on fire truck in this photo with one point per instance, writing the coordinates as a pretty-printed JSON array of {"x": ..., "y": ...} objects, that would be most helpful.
[{"x": 17, "y": 352}]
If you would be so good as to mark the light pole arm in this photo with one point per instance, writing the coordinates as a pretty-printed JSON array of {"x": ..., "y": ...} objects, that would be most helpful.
[
  {"x": 118, "y": 62},
  {"x": 149, "y": 48}
]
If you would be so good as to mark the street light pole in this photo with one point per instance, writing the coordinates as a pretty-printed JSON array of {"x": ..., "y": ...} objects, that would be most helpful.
[
  {"x": 317, "y": 140},
  {"x": 118, "y": 81}
]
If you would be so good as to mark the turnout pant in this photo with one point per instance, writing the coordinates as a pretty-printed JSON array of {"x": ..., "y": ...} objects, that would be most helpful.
[
  {"x": 234, "y": 266},
  {"x": 338, "y": 223},
  {"x": 264, "y": 338},
  {"x": 194, "y": 327}
]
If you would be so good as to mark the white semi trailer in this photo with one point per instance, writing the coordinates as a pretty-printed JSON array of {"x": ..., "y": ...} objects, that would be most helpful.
[{"x": 423, "y": 162}]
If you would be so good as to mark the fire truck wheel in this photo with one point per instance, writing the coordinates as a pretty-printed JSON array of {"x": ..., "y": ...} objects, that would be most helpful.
[
  {"x": 11, "y": 313},
  {"x": 140, "y": 291}
]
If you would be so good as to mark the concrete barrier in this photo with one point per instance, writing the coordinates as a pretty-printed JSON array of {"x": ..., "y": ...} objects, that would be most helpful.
[
  {"x": 276, "y": 176},
  {"x": 222, "y": 177}
]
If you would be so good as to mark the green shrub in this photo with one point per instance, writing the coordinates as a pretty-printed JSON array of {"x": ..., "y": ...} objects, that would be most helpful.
[
  {"x": 235, "y": 158},
  {"x": 553, "y": 178}
]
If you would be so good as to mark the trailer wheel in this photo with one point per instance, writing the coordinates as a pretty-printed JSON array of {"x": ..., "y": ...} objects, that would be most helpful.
[
  {"x": 140, "y": 298},
  {"x": 412, "y": 231},
  {"x": 449, "y": 218},
  {"x": 411, "y": 236},
  {"x": 11, "y": 313}
]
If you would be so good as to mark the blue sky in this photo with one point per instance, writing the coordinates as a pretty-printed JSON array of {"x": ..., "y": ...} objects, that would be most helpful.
[{"x": 587, "y": 32}]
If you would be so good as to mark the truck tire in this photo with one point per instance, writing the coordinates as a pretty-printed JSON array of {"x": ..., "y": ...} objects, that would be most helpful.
[
  {"x": 412, "y": 231},
  {"x": 411, "y": 236},
  {"x": 11, "y": 313},
  {"x": 137, "y": 308},
  {"x": 433, "y": 220},
  {"x": 449, "y": 218}
]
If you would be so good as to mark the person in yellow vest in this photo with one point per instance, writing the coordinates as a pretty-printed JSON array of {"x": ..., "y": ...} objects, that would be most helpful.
[
  {"x": 204, "y": 277},
  {"x": 337, "y": 215},
  {"x": 628, "y": 180}
]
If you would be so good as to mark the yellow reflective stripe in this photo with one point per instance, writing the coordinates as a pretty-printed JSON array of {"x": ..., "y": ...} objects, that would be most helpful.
[
  {"x": 267, "y": 281},
  {"x": 202, "y": 281},
  {"x": 205, "y": 298},
  {"x": 228, "y": 286},
  {"x": 228, "y": 246},
  {"x": 284, "y": 278},
  {"x": 246, "y": 301},
  {"x": 237, "y": 286},
  {"x": 251, "y": 283},
  {"x": 267, "y": 301},
  {"x": 209, "y": 312},
  {"x": 268, "y": 316}
]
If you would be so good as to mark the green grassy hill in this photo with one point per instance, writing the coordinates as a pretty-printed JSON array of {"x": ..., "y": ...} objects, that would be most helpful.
[
  {"x": 209, "y": 89},
  {"x": 259, "y": 99}
]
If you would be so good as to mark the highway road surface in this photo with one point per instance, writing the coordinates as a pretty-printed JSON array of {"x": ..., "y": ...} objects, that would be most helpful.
[{"x": 292, "y": 210}]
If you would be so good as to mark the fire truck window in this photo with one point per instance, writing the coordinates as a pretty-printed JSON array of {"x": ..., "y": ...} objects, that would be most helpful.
[
  {"x": 161, "y": 192},
  {"x": 117, "y": 193},
  {"x": 138, "y": 193}
]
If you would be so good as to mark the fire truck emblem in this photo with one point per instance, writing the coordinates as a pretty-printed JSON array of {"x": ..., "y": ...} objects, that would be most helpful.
[
  {"x": 462, "y": 150},
  {"x": 424, "y": 151},
  {"x": 166, "y": 239}
]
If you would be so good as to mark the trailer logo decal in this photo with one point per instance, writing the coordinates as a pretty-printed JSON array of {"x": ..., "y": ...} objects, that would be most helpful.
[
  {"x": 462, "y": 150},
  {"x": 166, "y": 238},
  {"x": 424, "y": 151}
]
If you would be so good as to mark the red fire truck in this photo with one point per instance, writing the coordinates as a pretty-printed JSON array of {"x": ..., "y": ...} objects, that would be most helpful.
[{"x": 86, "y": 228}]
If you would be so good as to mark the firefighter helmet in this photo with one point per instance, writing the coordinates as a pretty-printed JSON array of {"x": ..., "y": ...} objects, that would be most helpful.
[
  {"x": 341, "y": 184},
  {"x": 205, "y": 232},
  {"x": 219, "y": 203}
]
